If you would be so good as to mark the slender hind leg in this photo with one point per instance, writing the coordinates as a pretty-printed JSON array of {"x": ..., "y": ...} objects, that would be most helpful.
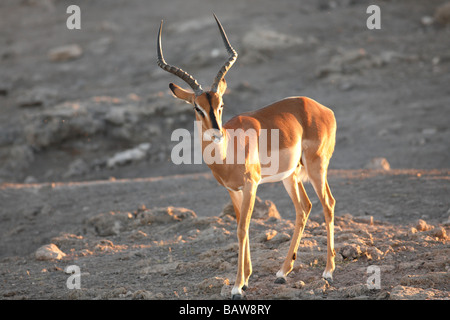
[
  {"x": 317, "y": 173},
  {"x": 302, "y": 205}
]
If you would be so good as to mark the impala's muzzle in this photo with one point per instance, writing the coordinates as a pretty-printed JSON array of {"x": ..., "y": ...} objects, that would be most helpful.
[
  {"x": 217, "y": 139},
  {"x": 213, "y": 135}
]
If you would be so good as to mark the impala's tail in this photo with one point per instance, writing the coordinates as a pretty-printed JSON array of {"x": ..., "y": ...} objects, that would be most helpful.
[{"x": 302, "y": 173}]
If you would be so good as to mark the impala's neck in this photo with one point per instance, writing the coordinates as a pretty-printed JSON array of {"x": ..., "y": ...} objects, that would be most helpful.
[{"x": 214, "y": 150}]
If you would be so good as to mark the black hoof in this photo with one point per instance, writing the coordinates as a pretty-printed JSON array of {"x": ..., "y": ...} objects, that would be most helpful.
[
  {"x": 329, "y": 280},
  {"x": 244, "y": 287},
  {"x": 237, "y": 297},
  {"x": 280, "y": 280}
]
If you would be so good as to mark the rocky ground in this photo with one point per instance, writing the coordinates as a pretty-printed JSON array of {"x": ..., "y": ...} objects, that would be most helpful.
[
  {"x": 140, "y": 249},
  {"x": 85, "y": 144}
]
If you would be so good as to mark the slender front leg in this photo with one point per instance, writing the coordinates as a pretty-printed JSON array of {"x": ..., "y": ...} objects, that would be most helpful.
[
  {"x": 236, "y": 198},
  {"x": 244, "y": 261},
  {"x": 302, "y": 206}
]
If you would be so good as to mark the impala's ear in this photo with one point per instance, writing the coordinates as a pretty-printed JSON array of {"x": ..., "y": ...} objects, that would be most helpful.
[
  {"x": 222, "y": 87},
  {"x": 182, "y": 94}
]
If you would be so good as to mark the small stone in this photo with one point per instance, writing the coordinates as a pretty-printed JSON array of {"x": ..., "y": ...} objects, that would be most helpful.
[
  {"x": 129, "y": 155},
  {"x": 261, "y": 210},
  {"x": 441, "y": 233},
  {"x": 364, "y": 219},
  {"x": 76, "y": 168},
  {"x": 442, "y": 14},
  {"x": 49, "y": 252},
  {"x": 351, "y": 251},
  {"x": 435, "y": 61},
  {"x": 109, "y": 224},
  {"x": 165, "y": 215},
  {"x": 423, "y": 226},
  {"x": 280, "y": 237},
  {"x": 137, "y": 235},
  {"x": 378, "y": 164},
  {"x": 427, "y": 20},
  {"x": 268, "y": 235},
  {"x": 319, "y": 287},
  {"x": 213, "y": 285},
  {"x": 142, "y": 295},
  {"x": 65, "y": 53}
]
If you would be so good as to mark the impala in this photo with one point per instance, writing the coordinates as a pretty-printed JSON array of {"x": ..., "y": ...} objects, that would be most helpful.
[{"x": 306, "y": 132}]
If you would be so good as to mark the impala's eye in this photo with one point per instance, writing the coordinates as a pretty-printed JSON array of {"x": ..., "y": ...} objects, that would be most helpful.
[{"x": 200, "y": 111}]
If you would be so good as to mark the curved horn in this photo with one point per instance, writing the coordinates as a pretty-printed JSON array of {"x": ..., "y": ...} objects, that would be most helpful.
[
  {"x": 175, "y": 70},
  {"x": 227, "y": 65}
]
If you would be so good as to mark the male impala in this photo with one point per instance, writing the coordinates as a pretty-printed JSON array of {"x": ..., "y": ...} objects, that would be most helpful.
[{"x": 306, "y": 138}]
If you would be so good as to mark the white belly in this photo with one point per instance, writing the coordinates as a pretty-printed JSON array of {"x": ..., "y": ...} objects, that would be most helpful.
[
  {"x": 283, "y": 163},
  {"x": 277, "y": 177}
]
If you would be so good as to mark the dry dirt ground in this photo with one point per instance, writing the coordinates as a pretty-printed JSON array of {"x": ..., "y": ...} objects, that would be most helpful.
[{"x": 139, "y": 227}]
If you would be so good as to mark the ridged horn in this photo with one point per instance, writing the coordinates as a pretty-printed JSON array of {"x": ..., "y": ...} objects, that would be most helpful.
[
  {"x": 227, "y": 65},
  {"x": 175, "y": 70}
]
